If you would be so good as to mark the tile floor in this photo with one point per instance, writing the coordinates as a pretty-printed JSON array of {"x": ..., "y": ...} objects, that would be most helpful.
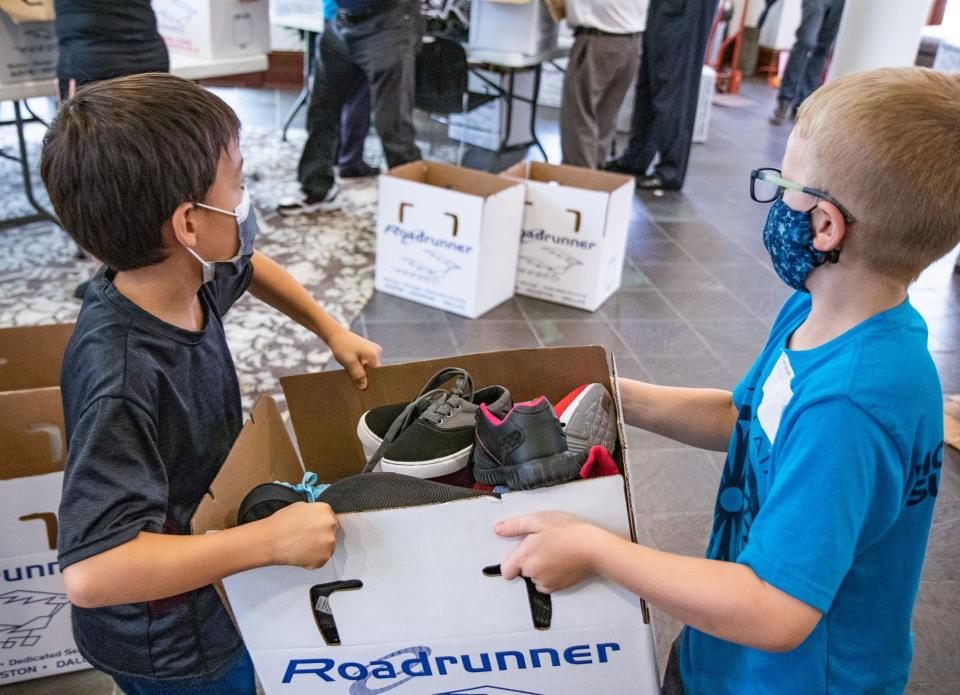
[{"x": 697, "y": 299}]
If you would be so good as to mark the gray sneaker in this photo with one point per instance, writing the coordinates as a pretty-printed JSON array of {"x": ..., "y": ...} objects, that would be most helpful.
[{"x": 433, "y": 435}]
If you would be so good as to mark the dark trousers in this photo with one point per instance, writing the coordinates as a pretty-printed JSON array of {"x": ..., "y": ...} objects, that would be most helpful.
[
  {"x": 668, "y": 84},
  {"x": 383, "y": 49},
  {"x": 354, "y": 126},
  {"x": 819, "y": 24}
]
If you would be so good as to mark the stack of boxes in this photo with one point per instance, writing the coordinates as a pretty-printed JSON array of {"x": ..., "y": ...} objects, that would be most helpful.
[{"x": 465, "y": 241}]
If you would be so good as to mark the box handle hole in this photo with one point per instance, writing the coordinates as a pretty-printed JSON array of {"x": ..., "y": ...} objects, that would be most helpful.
[
  {"x": 541, "y": 605},
  {"x": 322, "y": 611}
]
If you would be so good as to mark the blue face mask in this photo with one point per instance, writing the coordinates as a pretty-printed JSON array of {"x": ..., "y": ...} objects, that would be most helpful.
[
  {"x": 247, "y": 229},
  {"x": 788, "y": 236}
]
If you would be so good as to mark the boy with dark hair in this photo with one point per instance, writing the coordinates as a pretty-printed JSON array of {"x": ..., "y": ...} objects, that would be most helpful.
[
  {"x": 146, "y": 174},
  {"x": 834, "y": 437}
]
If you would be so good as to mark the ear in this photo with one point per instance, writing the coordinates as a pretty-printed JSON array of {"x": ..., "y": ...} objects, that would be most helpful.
[
  {"x": 184, "y": 231},
  {"x": 829, "y": 227}
]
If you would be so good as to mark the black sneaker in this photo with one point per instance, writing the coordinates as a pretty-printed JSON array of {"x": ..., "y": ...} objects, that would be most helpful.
[
  {"x": 433, "y": 435},
  {"x": 361, "y": 171},
  {"x": 269, "y": 498},
  {"x": 526, "y": 449},
  {"x": 304, "y": 204}
]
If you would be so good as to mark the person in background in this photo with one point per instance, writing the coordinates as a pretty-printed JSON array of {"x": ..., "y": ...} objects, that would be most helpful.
[
  {"x": 603, "y": 61},
  {"x": 354, "y": 121},
  {"x": 819, "y": 24},
  {"x": 834, "y": 437},
  {"x": 668, "y": 84},
  {"x": 378, "y": 40},
  {"x": 102, "y": 39}
]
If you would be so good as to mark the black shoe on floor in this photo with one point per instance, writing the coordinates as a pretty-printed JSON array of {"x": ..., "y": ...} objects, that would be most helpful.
[
  {"x": 362, "y": 171},
  {"x": 655, "y": 183},
  {"x": 304, "y": 204},
  {"x": 779, "y": 114},
  {"x": 617, "y": 167}
]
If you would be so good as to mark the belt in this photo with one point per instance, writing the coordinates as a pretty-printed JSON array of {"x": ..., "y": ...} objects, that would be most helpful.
[
  {"x": 357, "y": 17},
  {"x": 591, "y": 31}
]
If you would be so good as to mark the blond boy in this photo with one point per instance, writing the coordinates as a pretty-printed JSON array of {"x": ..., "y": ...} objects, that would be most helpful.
[{"x": 834, "y": 437}]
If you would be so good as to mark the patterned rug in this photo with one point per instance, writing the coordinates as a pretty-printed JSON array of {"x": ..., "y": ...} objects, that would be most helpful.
[{"x": 330, "y": 253}]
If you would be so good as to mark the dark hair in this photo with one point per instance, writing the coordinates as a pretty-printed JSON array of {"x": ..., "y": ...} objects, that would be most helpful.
[{"x": 122, "y": 154}]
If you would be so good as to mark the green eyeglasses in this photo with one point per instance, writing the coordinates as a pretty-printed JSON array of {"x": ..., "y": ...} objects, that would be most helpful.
[{"x": 766, "y": 185}]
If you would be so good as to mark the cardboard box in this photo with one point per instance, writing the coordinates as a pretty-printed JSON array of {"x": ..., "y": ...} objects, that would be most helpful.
[
  {"x": 448, "y": 237},
  {"x": 522, "y": 27},
  {"x": 36, "y": 638},
  {"x": 28, "y": 51},
  {"x": 214, "y": 28},
  {"x": 574, "y": 233},
  {"x": 426, "y": 618},
  {"x": 486, "y": 125}
]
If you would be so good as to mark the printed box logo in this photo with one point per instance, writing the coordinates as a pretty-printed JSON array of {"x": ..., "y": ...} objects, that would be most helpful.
[
  {"x": 392, "y": 670},
  {"x": 24, "y": 615}
]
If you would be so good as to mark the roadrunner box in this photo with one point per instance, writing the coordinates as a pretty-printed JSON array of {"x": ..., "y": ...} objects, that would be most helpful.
[
  {"x": 28, "y": 51},
  {"x": 574, "y": 233},
  {"x": 512, "y": 27},
  {"x": 36, "y": 638},
  {"x": 426, "y": 613},
  {"x": 214, "y": 28},
  {"x": 448, "y": 237}
]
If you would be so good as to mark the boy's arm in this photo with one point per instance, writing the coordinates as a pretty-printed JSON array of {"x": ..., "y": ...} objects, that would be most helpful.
[
  {"x": 724, "y": 599},
  {"x": 153, "y": 566},
  {"x": 278, "y": 288},
  {"x": 703, "y": 418}
]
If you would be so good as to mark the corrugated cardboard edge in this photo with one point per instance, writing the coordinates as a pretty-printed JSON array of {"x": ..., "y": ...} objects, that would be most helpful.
[{"x": 951, "y": 420}]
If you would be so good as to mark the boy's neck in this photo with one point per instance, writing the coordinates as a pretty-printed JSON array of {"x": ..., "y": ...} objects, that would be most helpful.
[
  {"x": 163, "y": 291},
  {"x": 842, "y": 300}
]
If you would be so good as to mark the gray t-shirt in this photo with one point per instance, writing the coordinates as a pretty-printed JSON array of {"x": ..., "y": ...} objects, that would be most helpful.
[{"x": 151, "y": 411}]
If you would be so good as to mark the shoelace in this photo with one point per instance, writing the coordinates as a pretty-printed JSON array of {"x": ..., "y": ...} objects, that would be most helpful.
[
  {"x": 308, "y": 486},
  {"x": 437, "y": 400}
]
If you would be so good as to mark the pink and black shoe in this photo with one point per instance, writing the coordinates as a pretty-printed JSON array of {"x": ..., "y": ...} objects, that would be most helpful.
[{"x": 526, "y": 449}]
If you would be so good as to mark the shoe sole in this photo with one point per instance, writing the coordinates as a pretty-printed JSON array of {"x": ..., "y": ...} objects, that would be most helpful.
[
  {"x": 590, "y": 420},
  {"x": 433, "y": 468},
  {"x": 368, "y": 438},
  {"x": 541, "y": 472}
]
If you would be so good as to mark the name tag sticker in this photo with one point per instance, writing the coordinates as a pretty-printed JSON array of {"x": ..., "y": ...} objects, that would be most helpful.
[{"x": 776, "y": 395}]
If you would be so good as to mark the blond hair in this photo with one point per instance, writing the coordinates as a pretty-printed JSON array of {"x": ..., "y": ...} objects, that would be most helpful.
[{"x": 886, "y": 144}]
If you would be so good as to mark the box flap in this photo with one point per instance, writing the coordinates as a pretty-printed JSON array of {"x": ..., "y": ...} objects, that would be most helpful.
[
  {"x": 32, "y": 440},
  {"x": 451, "y": 177},
  {"x": 262, "y": 453},
  {"x": 30, "y": 356},
  {"x": 325, "y": 407},
  {"x": 567, "y": 175}
]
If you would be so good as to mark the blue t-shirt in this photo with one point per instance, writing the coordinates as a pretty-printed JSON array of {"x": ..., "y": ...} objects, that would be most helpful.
[{"x": 827, "y": 494}]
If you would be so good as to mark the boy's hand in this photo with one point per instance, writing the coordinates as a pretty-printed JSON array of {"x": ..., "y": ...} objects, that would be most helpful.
[
  {"x": 355, "y": 354},
  {"x": 556, "y": 553},
  {"x": 303, "y": 534}
]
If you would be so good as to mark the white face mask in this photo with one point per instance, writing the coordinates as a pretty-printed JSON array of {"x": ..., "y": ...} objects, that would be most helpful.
[{"x": 246, "y": 230}]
